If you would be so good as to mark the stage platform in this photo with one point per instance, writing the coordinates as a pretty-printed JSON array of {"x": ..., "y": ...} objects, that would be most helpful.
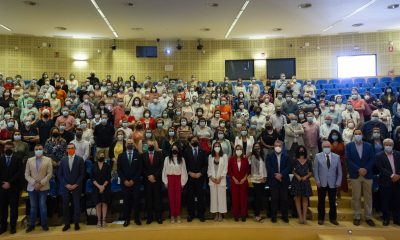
[{"x": 218, "y": 230}]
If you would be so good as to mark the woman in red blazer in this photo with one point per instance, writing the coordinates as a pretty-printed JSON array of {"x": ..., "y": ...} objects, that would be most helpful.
[
  {"x": 238, "y": 170},
  {"x": 148, "y": 121}
]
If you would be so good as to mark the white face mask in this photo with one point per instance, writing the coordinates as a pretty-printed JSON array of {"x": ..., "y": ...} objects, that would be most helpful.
[
  {"x": 278, "y": 149},
  {"x": 217, "y": 149},
  {"x": 239, "y": 153}
]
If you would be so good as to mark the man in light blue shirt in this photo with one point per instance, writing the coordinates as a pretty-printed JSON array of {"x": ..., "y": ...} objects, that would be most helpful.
[{"x": 155, "y": 108}]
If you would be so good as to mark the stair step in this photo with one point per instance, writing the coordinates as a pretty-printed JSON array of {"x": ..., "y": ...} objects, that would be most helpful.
[
  {"x": 315, "y": 191},
  {"x": 343, "y": 214},
  {"x": 347, "y": 237},
  {"x": 343, "y": 202}
]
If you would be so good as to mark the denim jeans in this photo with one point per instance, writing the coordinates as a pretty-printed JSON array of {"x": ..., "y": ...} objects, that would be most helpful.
[{"x": 38, "y": 199}]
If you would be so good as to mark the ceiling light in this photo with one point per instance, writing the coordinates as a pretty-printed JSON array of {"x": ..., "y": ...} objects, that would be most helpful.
[
  {"x": 61, "y": 28},
  {"x": 6, "y": 28},
  {"x": 305, "y": 5},
  {"x": 212, "y": 4},
  {"x": 256, "y": 37},
  {"x": 277, "y": 29},
  {"x": 104, "y": 17},
  {"x": 237, "y": 18},
  {"x": 30, "y": 3},
  {"x": 130, "y": 4},
  {"x": 205, "y": 29},
  {"x": 357, "y": 24},
  {"x": 137, "y": 29},
  {"x": 393, "y": 6}
]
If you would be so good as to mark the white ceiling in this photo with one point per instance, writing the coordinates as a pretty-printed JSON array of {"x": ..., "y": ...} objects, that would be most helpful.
[{"x": 184, "y": 19}]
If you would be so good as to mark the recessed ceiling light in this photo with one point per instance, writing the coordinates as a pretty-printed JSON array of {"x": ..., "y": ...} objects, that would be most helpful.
[
  {"x": 393, "y": 6},
  {"x": 137, "y": 29},
  {"x": 357, "y": 24},
  {"x": 130, "y": 4},
  {"x": 61, "y": 28},
  {"x": 30, "y": 3},
  {"x": 6, "y": 28},
  {"x": 213, "y": 4},
  {"x": 205, "y": 29},
  {"x": 277, "y": 29},
  {"x": 305, "y": 5}
]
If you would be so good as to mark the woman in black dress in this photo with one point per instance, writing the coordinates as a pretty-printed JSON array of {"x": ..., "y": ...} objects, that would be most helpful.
[
  {"x": 301, "y": 187},
  {"x": 102, "y": 182}
]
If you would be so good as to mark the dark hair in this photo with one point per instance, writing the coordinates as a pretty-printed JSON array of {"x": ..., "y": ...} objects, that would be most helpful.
[
  {"x": 261, "y": 151},
  {"x": 340, "y": 138},
  {"x": 221, "y": 153},
  {"x": 179, "y": 153},
  {"x": 301, "y": 151}
]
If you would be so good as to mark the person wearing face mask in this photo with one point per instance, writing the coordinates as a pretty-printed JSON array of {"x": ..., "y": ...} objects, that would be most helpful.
[
  {"x": 93, "y": 79},
  {"x": 348, "y": 132},
  {"x": 188, "y": 112},
  {"x": 245, "y": 141},
  {"x": 208, "y": 108},
  {"x": 281, "y": 84},
  {"x": 86, "y": 106},
  {"x": 10, "y": 175},
  {"x": 23, "y": 100},
  {"x": 118, "y": 112},
  {"x": 240, "y": 87},
  {"x": 214, "y": 123},
  {"x": 388, "y": 98},
  {"x": 258, "y": 176},
  {"x": 6, "y": 99},
  {"x": 241, "y": 98},
  {"x": 43, "y": 79},
  {"x": 376, "y": 140},
  {"x": 294, "y": 132},
  {"x": 217, "y": 171},
  {"x": 339, "y": 105},
  {"x": 184, "y": 131},
  {"x": 30, "y": 134},
  {"x": 196, "y": 166},
  {"x": 167, "y": 121},
  {"x": 311, "y": 135},
  {"x": 278, "y": 121},
  {"x": 137, "y": 108},
  {"x": 337, "y": 147},
  {"x": 289, "y": 106},
  {"x": 360, "y": 159},
  {"x": 38, "y": 172},
  {"x": 349, "y": 113},
  {"x": 335, "y": 114},
  {"x": 204, "y": 133},
  {"x": 17, "y": 91},
  {"x": 147, "y": 120},
  {"x": 21, "y": 148},
  {"x": 29, "y": 110},
  {"x": 238, "y": 170},
  {"x": 225, "y": 109},
  {"x": 310, "y": 88},
  {"x": 307, "y": 104},
  {"x": 260, "y": 119},
  {"x": 300, "y": 184},
  {"x": 60, "y": 93},
  {"x": 225, "y": 143},
  {"x": 302, "y": 117},
  {"x": 267, "y": 139},
  {"x": 358, "y": 103},
  {"x": 387, "y": 163},
  {"x": 55, "y": 104},
  {"x": 72, "y": 101},
  {"x": 371, "y": 101},
  {"x": 82, "y": 146},
  {"x": 278, "y": 101},
  {"x": 384, "y": 115},
  {"x": 103, "y": 134},
  {"x": 160, "y": 133},
  {"x": 55, "y": 146},
  {"x": 278, "y": 168},
  {"x": 164, "y": 99},
  {"x": 70, "y": 174},
  {"x": 327, "y": 127},
  {"x": 72, "y": 83},
  {"x": 328, "y": 177},
  {"x": 375, "y": 122},
  {"x": 126, "y": 128},
  {"x": 155, "y": 108},
  {"x": 117, "y": 148},
  {"x": 267, "y": 107},
  {"x": 66, "y": 119}
]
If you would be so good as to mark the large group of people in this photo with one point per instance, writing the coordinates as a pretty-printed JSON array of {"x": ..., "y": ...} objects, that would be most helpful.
[{"x": 192, "y": 137}]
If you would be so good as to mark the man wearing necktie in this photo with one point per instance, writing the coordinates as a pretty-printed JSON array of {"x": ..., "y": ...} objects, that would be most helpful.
[
  {"x": 197, "y": 164},
  {"x": 153, "y": 162},
  {"x": 10, "y": 174},
  {"x": 388, "y": 164},
  {"x": 130, "y": 166},
  {"x": 70, "y": 174},
  {"x": 328, "y": 177}
]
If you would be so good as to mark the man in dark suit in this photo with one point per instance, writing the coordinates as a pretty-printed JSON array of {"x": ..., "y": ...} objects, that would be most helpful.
[
  {"x": 153, "y": 162},
  {"x": 278, "y": 168},
  {"x": 360, "y": 158},
  {"x": 196, "y": 164},
  {"x": 388, "y": 164},
  {"x": 10, "y": 175},
  {"x": 130, "y": 166},
  {"x": 70, "y": 174}
]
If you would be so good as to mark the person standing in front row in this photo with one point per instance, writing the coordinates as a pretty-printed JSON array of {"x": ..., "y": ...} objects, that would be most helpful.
[
  {"x": 10, "y": 173},
  {"x": 258, "y": 176},
  {"x": 196, "y": 165},
  {"x": 360, "y": 157},
  {"x": 174, "y": 176},
  {"x": 278, "y": 168},
  {"x": 217, "y": 170},
  {"x": 38, "y": 172},
  {"x": 238, "y": 170},
  {"x": 70, "y": 174},
  {"x": 101, "y": 178},
  {"x": 153, "y": 162},
  {"x": 130, "y": 167},
  {"x": 328, "y": 177},
  {"x": 388, "y": 164}
]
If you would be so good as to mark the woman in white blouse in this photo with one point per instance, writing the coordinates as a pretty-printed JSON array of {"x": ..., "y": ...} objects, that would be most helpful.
[
  {"x": 174, "y": 176},
  {"x": 348, "y": 132},
  {"x": 137, "y": 109},
  {"x": 258, "y": 177},
  {"x": 245, "y": 141},
  {"x": 217, "y": 170}
]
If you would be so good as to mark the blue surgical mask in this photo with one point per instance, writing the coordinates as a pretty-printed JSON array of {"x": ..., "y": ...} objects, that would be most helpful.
[
  {"x": 388, "y": 149},
  {"x": 327, "y": 150},
  {"x": 358, "y": 138}
]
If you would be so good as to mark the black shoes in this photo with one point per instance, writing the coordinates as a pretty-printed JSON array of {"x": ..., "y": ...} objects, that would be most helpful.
[
  {"x": 3, "y": 231},
  {"x": 138, "y": 222},
  {"x": 45, "y": 228},
  {"x": 286, "y": 220},
  {"x": 334, "y": 222},
  {"x": 356, "y": 222},
  {"x": 273, "y": 220},
  {"x": 243, "y": 219},
  {"x": 236, "y": 219},
  {"x": 149, "y": 221},
  {"x": 77, "y": 227},
  {"x": 385, "y": 222},
  {"x": 126, "y": 223},
  {"x": 66, "y": 228},
  {"x": 202, "y": 219},
  {"x": 30, "y": 229},
  {"x": 159, "y": 221},
  {"x": 189, "y": 218},
  {"x": 320, "y": 222},
  {"x": 370, "y": 222},
  {"x": 13, "y": 231}
]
